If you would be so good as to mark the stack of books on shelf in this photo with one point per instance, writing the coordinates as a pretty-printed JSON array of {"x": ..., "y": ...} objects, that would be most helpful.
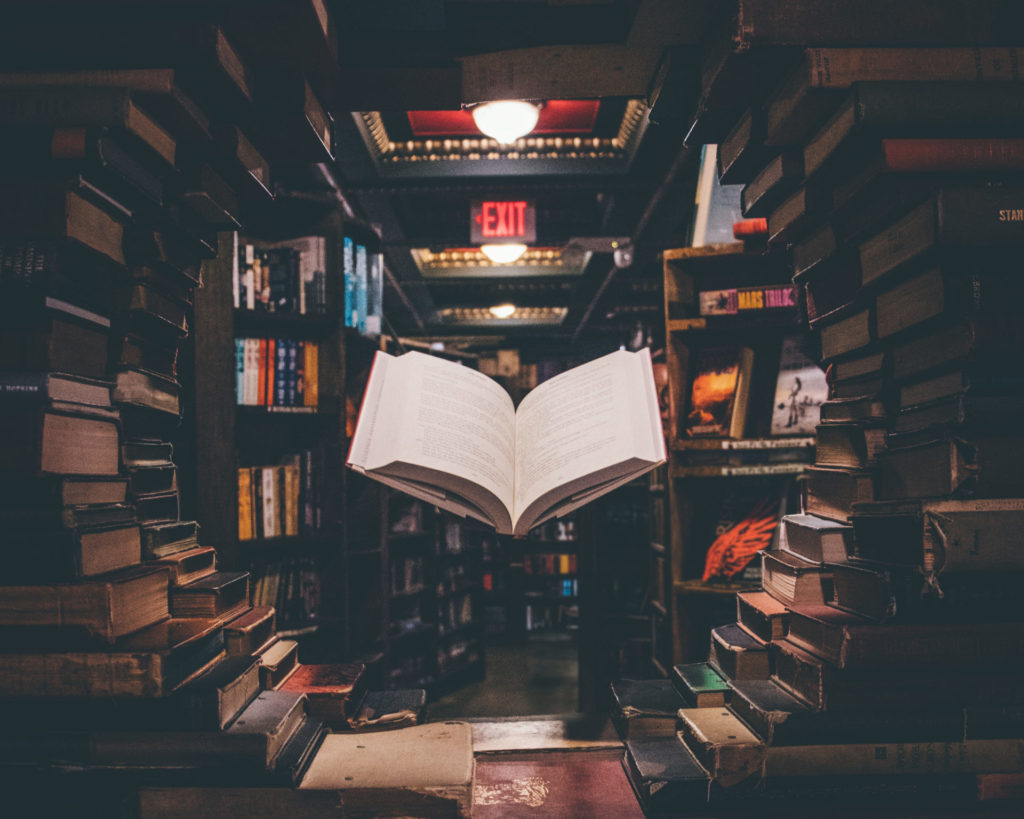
[
  {"x": 282, "y": 500},
  {"x": 117, "y": 652},
  {"x": 282, "y": 374},
  {"x": 881, "y": 658}
]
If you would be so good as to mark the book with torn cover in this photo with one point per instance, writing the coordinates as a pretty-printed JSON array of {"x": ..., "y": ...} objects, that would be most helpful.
[{"x": 451, "y": 436}]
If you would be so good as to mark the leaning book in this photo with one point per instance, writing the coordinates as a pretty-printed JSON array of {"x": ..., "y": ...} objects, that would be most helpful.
[{"x": 452, "y": 436}]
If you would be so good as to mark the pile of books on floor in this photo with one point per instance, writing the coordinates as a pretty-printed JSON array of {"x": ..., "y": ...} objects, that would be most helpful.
[{"x": 881, "y": 660}]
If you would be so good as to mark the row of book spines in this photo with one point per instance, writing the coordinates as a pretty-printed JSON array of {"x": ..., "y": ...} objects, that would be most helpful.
[
  {"x": 364, "y": 287},
  {"x": 550, "y": 564},
  {"x": 278, "y": 501},
  {"x": 277, "y": 372},
  {"x": 292, "y": 587},
  {"x": 273, "y": 281}
]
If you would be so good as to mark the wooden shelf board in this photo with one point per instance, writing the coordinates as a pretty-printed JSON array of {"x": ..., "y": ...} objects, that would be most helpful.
[
  {"x": 743, "y": 444},
  {"x": 700, "y": 587}
]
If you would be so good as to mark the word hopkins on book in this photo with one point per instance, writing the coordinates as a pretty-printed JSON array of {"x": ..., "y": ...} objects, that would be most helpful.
[{"x": 452, "y": 436}]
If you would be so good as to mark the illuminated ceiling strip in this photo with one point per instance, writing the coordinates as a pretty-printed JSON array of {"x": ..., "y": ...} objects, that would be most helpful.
[{"x": 536, "y": 147}]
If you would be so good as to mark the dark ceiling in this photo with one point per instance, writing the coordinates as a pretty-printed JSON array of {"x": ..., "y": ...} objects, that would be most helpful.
[{"x": 621, "y": 178}]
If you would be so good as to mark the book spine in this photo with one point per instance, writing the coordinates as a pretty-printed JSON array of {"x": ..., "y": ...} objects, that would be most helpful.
[
  {"x": 269, "y": 372},
  {"x": 281, "y": 372},
  {"x": 349, "y": 270},
  {"x": 240, "y": 353},
  {"x": 841, "y": 67},
  {"x": 245, "y": 529},
  {"x": 300, "y": 373},
  {"x": 312, "y": 372},
  {"x": 292, "y": 373},
  {"x": 249, "y": 278},
  {"x": 261, "y": 373},
  {"x": 361, "y": 288},
  {"x": 236, "y": 273}
]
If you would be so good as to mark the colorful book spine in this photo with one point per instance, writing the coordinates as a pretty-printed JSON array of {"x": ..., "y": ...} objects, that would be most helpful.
[
  {"x": 349, "y": 270},
  {"x": 361, "y": 288},
  {"x": 240, "y": 352},
  {"x": 280, "y": 372}
]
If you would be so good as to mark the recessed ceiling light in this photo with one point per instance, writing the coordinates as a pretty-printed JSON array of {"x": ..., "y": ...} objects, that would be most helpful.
[
  {"x": 503, "y": 310},
  {"x": 503, "y": 254},
  {"x": 506, "y": 120}
]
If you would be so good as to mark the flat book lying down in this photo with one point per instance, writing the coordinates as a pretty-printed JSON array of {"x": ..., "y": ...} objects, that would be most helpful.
[{"x": 452, "y": 436}]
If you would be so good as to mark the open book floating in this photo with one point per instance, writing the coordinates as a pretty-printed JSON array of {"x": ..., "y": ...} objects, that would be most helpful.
[{"x": 451, "y": 436}]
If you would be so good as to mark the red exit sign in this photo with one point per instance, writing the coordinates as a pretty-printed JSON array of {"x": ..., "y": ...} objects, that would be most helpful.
[{"x": 502, "y": 220}]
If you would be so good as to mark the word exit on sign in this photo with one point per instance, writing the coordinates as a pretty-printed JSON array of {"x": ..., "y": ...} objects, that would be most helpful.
[{"x": 502, "y": 221}]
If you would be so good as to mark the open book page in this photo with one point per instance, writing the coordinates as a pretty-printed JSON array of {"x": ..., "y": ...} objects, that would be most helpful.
[
  {"x": 585, "y": 432},
  {"x": 427, "y": 421}
]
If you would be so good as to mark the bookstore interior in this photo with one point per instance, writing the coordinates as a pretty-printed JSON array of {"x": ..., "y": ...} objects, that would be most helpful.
[{"x": 507, "y": 408}]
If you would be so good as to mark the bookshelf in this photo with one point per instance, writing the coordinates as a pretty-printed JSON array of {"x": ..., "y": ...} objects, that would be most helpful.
[
  {"x": 272, "y": 436},
  {"x": 720, "y": 298}
]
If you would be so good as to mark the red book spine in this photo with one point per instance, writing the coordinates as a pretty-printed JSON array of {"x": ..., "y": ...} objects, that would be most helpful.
[
  {"x": 984, "y": 154},
  {"x": 261, "y": 374},
  {"x": 271, "y": 365}
]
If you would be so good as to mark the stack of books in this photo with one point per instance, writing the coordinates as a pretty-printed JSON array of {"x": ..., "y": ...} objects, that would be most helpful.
[
  {"x": 881, "y": 656},
  {"x": 123, "y": 645}
]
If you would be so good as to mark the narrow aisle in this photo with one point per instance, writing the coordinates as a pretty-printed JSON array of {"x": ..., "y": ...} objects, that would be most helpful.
[{"x": 536, "y": 677}]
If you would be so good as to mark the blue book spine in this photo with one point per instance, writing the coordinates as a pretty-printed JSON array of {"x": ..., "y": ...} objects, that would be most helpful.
[
  {"x": 361, "y": 288},
  {"x": 349, "y": 269},
  {"x": 239, "y": 370},
  {"x": 281, "y": 373},
  {"x": 293, "y": 372}
]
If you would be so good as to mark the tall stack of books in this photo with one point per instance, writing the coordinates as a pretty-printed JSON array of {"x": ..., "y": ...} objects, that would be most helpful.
[
  {"x": 123, "y": 646},
  {"x": 882, "y": 656}
]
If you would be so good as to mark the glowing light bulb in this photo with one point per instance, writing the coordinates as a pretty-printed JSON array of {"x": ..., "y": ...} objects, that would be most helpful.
[
  {"x": 503, "y": 311},
  {"x": 503, "y": 254},
  {"x": 506, "y": 120}
]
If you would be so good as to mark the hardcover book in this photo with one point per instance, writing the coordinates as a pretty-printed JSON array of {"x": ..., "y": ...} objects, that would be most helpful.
[
  {"x": 450, "y": 435},
  {"x": 737, "y": 655},
  {"x": 700, "y": 685},
  {"x": 800, "y": 390},
  {"x": 719, "y": 391},
  {"x": 644, "y": 708}
]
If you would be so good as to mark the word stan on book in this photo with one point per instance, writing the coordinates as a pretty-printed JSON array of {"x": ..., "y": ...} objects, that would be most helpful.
[{"x": 452, "y": 436}]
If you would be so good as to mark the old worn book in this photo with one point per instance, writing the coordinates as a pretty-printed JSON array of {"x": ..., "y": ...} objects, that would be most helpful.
[
  {"x": 719, "y": 390},
  {"x": 190, "y": 565},
  {"x": 949, "y": 466},
  {"x": 722, "y": 744},
  {"x": 956, "y": 216},
  {"x": 248, "y": 633},
  {"x": 253, "y": 740},
  {"x": 950, "y": 290},
  {"x": 700, "y": 685},
  {"x": 43, "y": 554},
  {"x": 54, "y": 341},
  {"x": 152, "y": 662},
  {"x": 221, "y": 594},
  {"x": 160, "y": 540},
  {"x": 854, "y": 643},
  {"x": 59, "y": 438},
  {"x": 776, "y": 181},
  {"x": 780, "y": 718},
  {"x": 736, "y": 654},
  {"x": 846, "y": 335},
  {"x": 741, "y": 154},
  {"x": 941, "y": 537},
  {"x": 526, "y": 470},
  {"x": 792, "y": 579},
  {"x": 148, "y": 390},
  {"x": 664, "y": 774},
  {"x": 106, "y": 608},
  {"x": 831, "y": 493},
  {"x": 911, "y": 109},
  {"x": 963, "y": 340},
  {"x": 817, "y": 539},
  {"x": 644, "y": 708},
  {"x": 214, "y": 698},
  {"x": 761, "y": 615},
  {"x": 817, "y": 87},
  {"x": 333, "y": 690},
  {"x": 860, "y": 408},
  {"x": 798, "y": 213},
  {"x": 383, "y": 710},
  {"x": 412, "y": 770},
  {"x": 855, "y": 445},
  {"x": 52, "y": 386},
  {"x": 62, "y": 105},
  {"x": 277, "y": 662}
]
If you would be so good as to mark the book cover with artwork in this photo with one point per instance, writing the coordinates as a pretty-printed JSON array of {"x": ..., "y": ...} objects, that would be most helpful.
[
  {"x": 800, "y": 390},
  {"x": 718, "y": 393}
]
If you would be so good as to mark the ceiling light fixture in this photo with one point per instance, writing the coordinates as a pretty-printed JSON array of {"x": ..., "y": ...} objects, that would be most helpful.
[
  {"x": 503, "y": 311},
  {"x": 503, "y": 254},
  {"x": 506, "y": 120}
]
